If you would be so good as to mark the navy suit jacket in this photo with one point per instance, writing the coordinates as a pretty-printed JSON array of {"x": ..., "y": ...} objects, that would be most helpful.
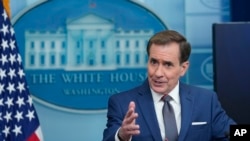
[{"x": 197, "y": 105}]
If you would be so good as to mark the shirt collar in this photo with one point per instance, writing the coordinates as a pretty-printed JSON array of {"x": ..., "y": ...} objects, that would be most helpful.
[{"x": 174, "y": 94}]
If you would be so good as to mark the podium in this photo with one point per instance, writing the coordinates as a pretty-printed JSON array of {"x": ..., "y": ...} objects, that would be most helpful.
[{"x": 231, "y": 59}]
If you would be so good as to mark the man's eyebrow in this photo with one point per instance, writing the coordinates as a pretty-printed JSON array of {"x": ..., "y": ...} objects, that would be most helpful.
[
  {"x": 152, "y": 58},
  {"x": 168, "y": 62}
]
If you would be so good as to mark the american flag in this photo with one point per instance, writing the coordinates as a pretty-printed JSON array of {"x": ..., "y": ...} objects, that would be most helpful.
[{"x": 18, "y": 118}]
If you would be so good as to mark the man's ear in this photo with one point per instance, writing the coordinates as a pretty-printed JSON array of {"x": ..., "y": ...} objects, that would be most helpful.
[{"x": 184, "y": 67}]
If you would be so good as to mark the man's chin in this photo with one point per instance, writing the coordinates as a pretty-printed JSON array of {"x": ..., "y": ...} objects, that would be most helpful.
[{"x": 160, "y": 91}]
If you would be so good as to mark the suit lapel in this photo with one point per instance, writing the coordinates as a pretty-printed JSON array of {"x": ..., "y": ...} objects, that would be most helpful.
[
  {"x": 186, "y": 110},
  {"x": 146, "y": 105}
]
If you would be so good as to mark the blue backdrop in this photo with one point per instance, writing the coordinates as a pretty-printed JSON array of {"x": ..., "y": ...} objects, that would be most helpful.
[{"x": 193, "y": 18}]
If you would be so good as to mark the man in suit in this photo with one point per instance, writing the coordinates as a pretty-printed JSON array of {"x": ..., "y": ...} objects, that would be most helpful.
[{"x": 137, "y": 115}]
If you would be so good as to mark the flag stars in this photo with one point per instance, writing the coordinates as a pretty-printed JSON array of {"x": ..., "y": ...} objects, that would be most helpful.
[
  {"x": 18, "y": 119},
  {"x": 17, "y": 130},
  {"x": 4, "y": 44},
  {"x": 20, "y": 87},
  {"x": 6, "y": 131},
  {"x": 30, "y": 115},
  {"x": 1, "y": 102},
  {"x": 20, "y": 73},
  {"x": 19, "y": 116},
  {"x": 12, "y": 58},
  {"x": 4, "y": 14},
  {"x": 1, "y": 88},
  {"x": 9, "y": 102},
  {"x": 2, "y": 74},
  {"x": 29, "y": 100},
  {"x": 3, "y": 59},
  {"x": 4, "y": 29},
  {"x": 8, "y": 116},
  {"x": 19, "y": 59},
  {"x": 20, "y": 101},
  {"x": 12, "y": 73},
  {"x": 11, "y": 88},
  {"x": 12, "y": 32},
  {"x": 12, "y": 44}
]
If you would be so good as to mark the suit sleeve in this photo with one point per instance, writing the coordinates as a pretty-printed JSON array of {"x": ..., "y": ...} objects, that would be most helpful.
[{"x": 114, "y": 117}]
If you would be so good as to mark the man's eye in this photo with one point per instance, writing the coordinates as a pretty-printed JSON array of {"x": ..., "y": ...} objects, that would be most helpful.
[
  {"x": 153, "y": 62},
  {"x": 168, "y": 64}
]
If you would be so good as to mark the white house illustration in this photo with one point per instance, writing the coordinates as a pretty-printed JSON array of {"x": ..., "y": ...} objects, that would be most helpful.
[{"x": 90, "y": 42}]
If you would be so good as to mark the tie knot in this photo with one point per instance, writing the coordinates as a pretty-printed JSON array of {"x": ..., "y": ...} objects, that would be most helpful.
[{"x": 166, "y": 98}]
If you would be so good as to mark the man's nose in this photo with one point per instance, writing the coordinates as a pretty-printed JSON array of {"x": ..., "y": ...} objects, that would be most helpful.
[{"x": 159, "y": 71}]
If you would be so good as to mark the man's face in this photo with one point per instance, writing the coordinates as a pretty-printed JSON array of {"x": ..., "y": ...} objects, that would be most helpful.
[{"x": 164, "y": 68}]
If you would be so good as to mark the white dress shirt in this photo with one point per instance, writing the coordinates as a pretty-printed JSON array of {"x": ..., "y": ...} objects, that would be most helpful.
[{"x": 158, "y": 103}]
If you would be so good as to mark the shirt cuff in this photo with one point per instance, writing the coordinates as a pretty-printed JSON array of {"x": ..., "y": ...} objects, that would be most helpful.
[{"x": 117, "y": 138}]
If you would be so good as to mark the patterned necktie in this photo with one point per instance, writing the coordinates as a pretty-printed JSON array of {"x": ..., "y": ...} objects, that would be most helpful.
[{"x": 171, "y": 133}]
